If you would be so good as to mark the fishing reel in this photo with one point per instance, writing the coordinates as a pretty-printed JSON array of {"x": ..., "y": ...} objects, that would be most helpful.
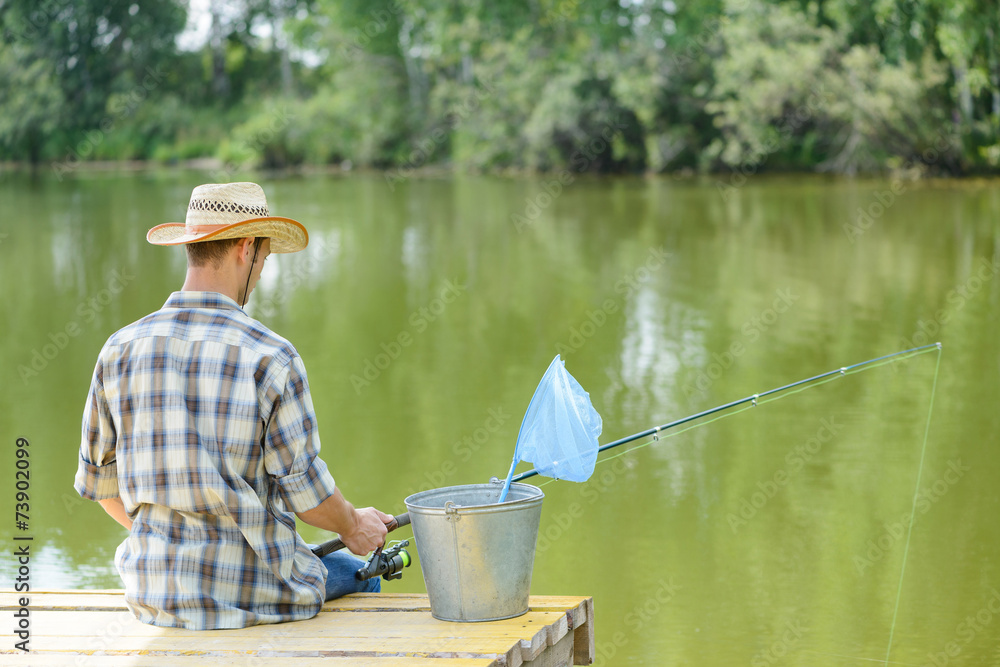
[{"x": 387, "y": 564}]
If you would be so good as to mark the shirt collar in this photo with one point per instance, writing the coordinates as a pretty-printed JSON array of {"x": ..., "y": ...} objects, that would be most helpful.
[{"x": 201, "y": 300}]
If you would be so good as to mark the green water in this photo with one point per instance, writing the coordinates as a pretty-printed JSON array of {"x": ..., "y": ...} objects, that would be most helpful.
[{"x": 426, "y": 316}]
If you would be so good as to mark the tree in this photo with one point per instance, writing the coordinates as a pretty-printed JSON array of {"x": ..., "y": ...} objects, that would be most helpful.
[
  {"x": 26, "y": 112},
  {"x": 84, "y": 52},
  {"x": 789, "y": 93}
]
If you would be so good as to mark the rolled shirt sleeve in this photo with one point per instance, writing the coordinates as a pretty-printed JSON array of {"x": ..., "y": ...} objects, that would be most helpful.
[
  {"x": 292, "y": 445},
  {"x": 97, "y": 471}
]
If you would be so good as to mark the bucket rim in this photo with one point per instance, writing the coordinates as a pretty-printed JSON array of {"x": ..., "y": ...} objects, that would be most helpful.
[{"x": 537, "y": 496}]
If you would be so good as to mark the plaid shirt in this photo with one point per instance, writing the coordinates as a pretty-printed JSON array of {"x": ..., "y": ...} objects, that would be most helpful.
[{"x": 200, "y": 418}]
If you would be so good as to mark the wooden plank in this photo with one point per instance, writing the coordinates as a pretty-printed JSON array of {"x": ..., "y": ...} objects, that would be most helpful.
[
  {"x": 584, "y": 646},
  {"x": 35, "y": 659},
  {"x": 379, "y": 601},
  {"x": 419, "y": 602},
  {"x": 115, "y": 599},
  {"x": 87, "y": 601},
  {"x": 66, "y": 601},
  {"x": 328, "y": 624},
  {"x": 366, "y": 647},
  {"x": 344, "y": 634},
  {"x": 558, "y": 655},
  {"x": 391, "y": 626},
  {"x": 553, "y": 632}
]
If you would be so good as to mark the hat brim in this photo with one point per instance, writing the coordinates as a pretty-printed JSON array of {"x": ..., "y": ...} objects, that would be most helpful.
[{"x": 286, "y": 235}]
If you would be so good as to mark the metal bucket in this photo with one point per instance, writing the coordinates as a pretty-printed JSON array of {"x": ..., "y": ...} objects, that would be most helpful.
[{"x": 476, "y": 555}]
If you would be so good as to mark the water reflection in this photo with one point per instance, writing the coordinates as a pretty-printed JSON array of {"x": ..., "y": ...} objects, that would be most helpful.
[{"x": 649, "y": 358}]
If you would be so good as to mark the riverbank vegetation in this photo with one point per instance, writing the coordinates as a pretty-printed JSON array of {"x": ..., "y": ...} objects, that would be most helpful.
[{"x": 840, "y": 86}]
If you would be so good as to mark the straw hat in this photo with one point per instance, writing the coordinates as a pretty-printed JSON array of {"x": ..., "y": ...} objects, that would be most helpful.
[{"x": 229, "y": 211}]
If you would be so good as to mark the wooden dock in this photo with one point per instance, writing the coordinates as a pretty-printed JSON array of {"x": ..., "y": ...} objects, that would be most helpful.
[{"x": 83, "y": 628}]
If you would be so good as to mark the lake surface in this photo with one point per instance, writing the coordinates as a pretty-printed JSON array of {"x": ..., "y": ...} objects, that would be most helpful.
[{"x": 426, "y": 313}]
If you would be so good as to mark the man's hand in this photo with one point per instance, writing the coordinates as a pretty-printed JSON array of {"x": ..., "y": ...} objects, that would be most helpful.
[
  {"x": 370, "y": 531},
  {"x": 361, "y": 530}
]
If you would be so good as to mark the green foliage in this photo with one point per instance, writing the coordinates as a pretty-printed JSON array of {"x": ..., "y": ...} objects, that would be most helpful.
[
  {"x": 586, "y": 85},
  {"x": 578, "y": 122},
  {"x": 486, "y": 117},
  {"x": 176, "y": 131},
  {"x": 261, "y": 140},
  {"x": 885, "y": 114},
  {"x": 31, "y": 92},
  {"x": 768, "y": 82},
  {"x": 791, "y": 94},
  {"x": 85, "y": 51},
  {"x": 359, "y": 116}
]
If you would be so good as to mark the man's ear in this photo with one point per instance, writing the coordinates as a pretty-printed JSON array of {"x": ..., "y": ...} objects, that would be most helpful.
[{"x": 245, "y": 246}]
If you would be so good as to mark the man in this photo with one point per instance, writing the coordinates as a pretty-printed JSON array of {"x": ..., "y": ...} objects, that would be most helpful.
[{"x": 199, "y": 437}]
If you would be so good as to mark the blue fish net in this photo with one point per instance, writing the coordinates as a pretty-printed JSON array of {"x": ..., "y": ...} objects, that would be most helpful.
[{"x": 560, "y": 429}]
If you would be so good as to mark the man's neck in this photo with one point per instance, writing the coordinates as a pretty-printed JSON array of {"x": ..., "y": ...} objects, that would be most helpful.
[{"x": 207, "y": 279}]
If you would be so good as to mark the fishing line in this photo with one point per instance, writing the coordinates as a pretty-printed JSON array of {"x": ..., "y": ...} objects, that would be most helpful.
[
  {"x": 916, "y": 491},
  {"x": 745, "y": 644},
  {"x": 658, "y": 433},
  {"x": 784, "y": 392},
  {"x": 795, "y": 388}
]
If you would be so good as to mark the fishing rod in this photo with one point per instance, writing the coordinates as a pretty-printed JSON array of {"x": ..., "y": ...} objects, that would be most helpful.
[
  {"x": 388, "y": 564},
  {"x": 656, "y": 430},
  {"x": 404, "y": 519}
]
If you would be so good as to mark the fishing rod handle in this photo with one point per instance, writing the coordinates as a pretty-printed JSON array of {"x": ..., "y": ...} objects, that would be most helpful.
[{"x": 336, "y": 544}]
